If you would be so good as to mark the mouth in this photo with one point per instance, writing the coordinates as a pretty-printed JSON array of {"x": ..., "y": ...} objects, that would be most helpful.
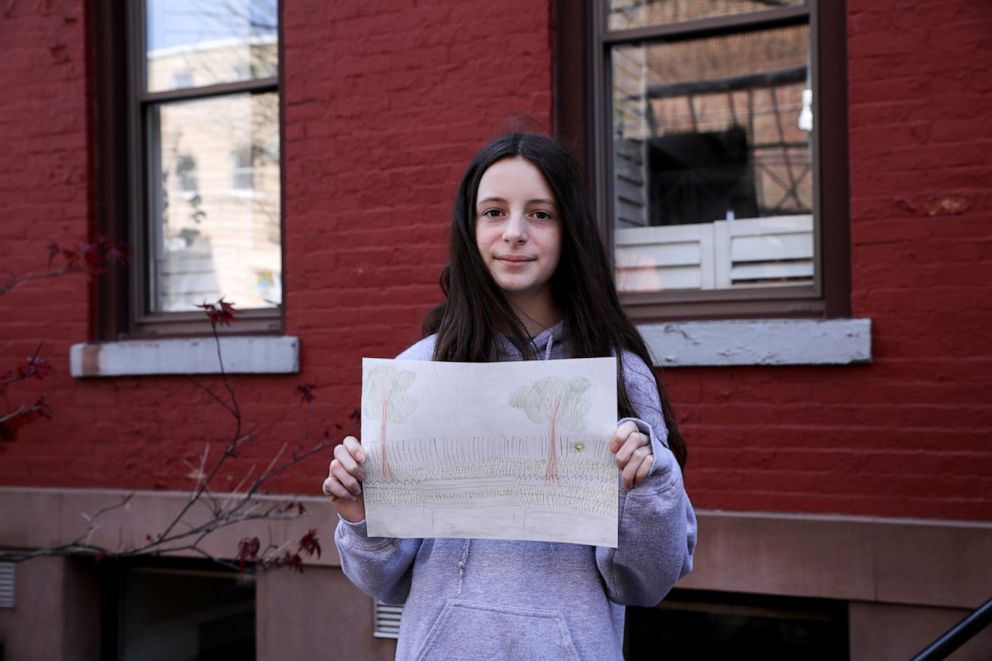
[{"x": 516, "y": 259}]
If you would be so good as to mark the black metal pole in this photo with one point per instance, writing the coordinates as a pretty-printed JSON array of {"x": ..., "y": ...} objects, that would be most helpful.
[{"x": 958, "y": 635}]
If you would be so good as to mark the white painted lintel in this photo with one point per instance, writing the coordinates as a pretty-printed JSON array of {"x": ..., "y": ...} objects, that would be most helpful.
[
  {"x": 759, "y": 342},
  {"x": 241, "y": 355}
]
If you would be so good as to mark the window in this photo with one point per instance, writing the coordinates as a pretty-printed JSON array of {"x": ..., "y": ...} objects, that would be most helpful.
[
  {"x": 242, "y": 172},
  {"x": 714, "y": 139},
  {"x": 725, "y": 625},
  {"x": 176, "y": 609},
  {"x": 195, "y": 135},
  {"x": 186, "y": 173}
]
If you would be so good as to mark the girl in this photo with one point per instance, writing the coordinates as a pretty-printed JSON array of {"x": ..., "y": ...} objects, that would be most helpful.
[{"x": 528, "y": 279}]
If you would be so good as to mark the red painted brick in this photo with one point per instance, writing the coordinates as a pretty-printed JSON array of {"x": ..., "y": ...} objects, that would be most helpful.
[{"x": 377, "y": 133}]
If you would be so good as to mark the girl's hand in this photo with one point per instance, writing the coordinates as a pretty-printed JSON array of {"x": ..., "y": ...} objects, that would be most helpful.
[
  {"x": 344, "y": 480},
  {"x": 633, "y": 451}
]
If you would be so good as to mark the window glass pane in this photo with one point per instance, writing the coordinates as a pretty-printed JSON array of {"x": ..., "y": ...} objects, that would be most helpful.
[
  {"x": 624, "y": 14},
  {"x": 215, "y": 202},
  {"x": 712, "y": 171},
  {"x": 203, "y": 42}
]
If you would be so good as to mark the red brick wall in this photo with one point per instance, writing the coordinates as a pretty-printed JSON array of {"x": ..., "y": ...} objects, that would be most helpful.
[
  {"x": 44, "y": 197},
  {"x": 383, "y": 108},
  {"x": 910, "y": 434},
  {"x": 385, "y": 103}
]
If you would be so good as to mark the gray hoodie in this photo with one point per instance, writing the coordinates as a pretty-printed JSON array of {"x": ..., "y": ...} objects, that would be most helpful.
[{"x": 494, "y": 599}]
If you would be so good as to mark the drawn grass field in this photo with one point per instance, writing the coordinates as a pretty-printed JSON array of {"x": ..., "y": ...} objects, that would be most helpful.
[{"x": 502, "y": 480}]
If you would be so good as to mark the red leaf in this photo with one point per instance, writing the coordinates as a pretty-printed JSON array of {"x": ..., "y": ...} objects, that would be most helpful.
[
  {"x": 35, "y": 366},
  {"x": 309, "y": 543},
  {"x": 294, "y": 561},
  {"x": 248, "y": 549},
  {"x": 220, "y": 313},
  {"x": 118, "y": 253},
  {"x": 306, "y": 392},
  {"x": 24, "y": 417}
]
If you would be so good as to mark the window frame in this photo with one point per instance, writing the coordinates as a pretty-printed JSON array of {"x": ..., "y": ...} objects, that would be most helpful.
[
  {"x": 582, "y": 112},
  {"x": 123, "y": 211}
]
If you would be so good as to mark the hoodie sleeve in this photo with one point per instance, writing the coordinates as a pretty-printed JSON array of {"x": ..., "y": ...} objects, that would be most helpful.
[
  {"x": 657, "y": 533},
  {"x": 380, "y": 566}
]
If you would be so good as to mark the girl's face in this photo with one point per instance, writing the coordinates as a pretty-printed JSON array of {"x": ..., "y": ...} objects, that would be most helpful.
[{"x": 518, "y": 232}]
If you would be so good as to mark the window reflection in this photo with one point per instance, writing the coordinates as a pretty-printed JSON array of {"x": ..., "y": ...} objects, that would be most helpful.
[
  {"x": 625, "y": 14},
  {"x": 192, "y": 43},
  {"x": 217, "y": 202},
  {"x": 713, "y": 182}
]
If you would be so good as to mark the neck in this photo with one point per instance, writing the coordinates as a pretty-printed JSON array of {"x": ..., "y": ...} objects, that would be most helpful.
[{"x": 536, "y": 313}]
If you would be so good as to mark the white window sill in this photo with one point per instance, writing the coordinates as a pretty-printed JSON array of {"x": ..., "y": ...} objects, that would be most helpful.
[
  {"x": 242, "y": 355},
  {"x": 759, "y": 342}
]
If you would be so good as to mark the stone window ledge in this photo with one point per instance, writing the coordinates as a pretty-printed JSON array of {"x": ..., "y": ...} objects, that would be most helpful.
[
  {"x": 759, "y": 342},
  {"x": 242, "y": 355}
]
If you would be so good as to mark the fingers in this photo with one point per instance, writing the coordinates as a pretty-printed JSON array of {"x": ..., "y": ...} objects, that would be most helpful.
[
  {"x": 631, "y": 442},
  {"x": 354, "y": 448},
  {"x": 346, "y": 479},
  {"x": 345, "y": 473},
  {"x": 351, "y": 454},
  {"x": 633, "y": 454},
  {"x": 637, "y": 468},
  {"x": 620, "y": 436}
]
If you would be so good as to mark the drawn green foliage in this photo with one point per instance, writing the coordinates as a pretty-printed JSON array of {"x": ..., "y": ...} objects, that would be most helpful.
[
  {"x": 539, "y": 399},
  {"x": 385, "y": 384}
]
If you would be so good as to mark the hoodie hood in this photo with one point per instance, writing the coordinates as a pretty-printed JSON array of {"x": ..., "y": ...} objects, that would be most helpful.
[{"x": 546, "y": 345}]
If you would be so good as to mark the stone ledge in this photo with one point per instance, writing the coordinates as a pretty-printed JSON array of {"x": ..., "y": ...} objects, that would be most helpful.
[
  {"x": 920, "y": 562},
  {"x": 759, "y": 342},
  {"x": 242, "y": 355},
  {"x": 39, "y": 517},
  {"x": 914, "y": 562}
]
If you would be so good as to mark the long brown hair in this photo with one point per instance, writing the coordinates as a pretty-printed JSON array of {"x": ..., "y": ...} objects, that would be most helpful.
[{"x": 474, "y": 309}]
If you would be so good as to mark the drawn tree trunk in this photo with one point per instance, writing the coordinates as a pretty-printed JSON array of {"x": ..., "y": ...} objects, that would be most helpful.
[
  {"x": 384, "y": 398},
  {"x": 551, "y": 474},
  {"x": 387, "y": 473},
  {"x": 558, "y": 402}
]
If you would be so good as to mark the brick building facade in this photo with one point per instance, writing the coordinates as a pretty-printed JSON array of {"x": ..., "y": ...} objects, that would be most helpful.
[{"x": 861, "y": 483}]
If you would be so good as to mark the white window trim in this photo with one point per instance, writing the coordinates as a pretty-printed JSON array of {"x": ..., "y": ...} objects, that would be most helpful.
[
  {"x": 242, "y": 355},
  {"x": 759, "y": 342}
]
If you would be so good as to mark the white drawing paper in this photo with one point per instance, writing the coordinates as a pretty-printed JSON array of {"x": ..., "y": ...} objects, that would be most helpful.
[{"x": 511, "y": 450}]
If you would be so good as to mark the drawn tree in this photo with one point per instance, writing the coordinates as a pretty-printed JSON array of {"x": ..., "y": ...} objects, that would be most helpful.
[
  {"x": 556, "y": 401},
  {"x": 385, "y": 399}
]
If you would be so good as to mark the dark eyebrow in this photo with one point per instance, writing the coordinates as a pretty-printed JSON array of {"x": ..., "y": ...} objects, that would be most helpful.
[{"x": 539, "y": 200}]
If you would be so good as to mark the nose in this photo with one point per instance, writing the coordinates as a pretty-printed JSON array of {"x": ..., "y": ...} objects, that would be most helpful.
[{"x": 515, "y": 230}]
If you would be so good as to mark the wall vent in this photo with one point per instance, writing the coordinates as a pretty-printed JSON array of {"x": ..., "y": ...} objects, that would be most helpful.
[
  {"x": 386, "y": 620},
  {"x": 7, "y": 584}
]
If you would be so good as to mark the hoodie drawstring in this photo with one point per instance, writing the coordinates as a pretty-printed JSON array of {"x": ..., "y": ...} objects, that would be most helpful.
[
  {"x": 462, "y": 564},
  {"x": 547, "y": 351}
]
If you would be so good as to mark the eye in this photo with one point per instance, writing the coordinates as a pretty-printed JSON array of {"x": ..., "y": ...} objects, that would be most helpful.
[
  {"x": 542, "y": 215},
  {"x": 492, "y": 213}
]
